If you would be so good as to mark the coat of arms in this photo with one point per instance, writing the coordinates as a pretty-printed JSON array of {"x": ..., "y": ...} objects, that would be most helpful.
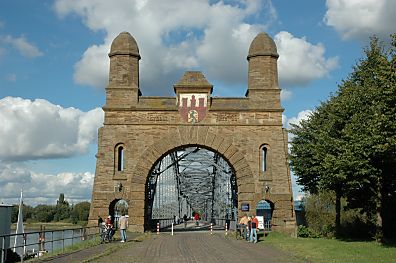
[{"x": 192, "y": 107}]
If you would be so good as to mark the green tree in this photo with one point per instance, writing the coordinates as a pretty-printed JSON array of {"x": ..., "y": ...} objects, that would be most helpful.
[
  {"x": 44, "y": 213},
  {"x": 26, "y": 210},
  {"x": 80, "y": 212},
  {"x": 318, "y": 154},
  {"x": 348, "y": 144},
  {"x": 62, "y": 209},
  {"x": 320, "y": 212}
]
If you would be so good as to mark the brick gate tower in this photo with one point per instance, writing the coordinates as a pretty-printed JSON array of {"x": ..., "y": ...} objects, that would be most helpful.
[{"x": 139, "y": 130}]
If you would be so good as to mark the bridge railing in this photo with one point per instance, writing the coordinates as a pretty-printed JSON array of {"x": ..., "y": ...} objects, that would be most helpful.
[
  {"x": 164, "y": 222},
  {"x": 220, "y": 222},
  {"x": 231, "y": 224},
  {"x": 38, "y": 243}
]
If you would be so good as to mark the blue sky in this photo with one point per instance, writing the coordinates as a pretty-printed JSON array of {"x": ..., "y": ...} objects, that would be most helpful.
[{"x": 54, "y": 67}]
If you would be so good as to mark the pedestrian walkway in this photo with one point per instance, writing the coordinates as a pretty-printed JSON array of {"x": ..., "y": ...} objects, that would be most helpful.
[
  {"x": 196, "y": 247},
  {"x": 191, "y": 226}
]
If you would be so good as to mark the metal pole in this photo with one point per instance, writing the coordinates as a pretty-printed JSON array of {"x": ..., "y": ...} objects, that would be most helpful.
[
  {"x": 24, "y": 246},
  {"x": 38, "y": 244},
  {"x": 172, "y": 229},
  {"x": 3, "y": 251}
]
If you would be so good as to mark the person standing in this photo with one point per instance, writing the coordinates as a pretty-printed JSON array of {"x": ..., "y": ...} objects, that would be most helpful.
[
  {"x": 248, "y": 228},
  {"x": 196, "y": 217},
  {"x": 253, "y": 232},
  {"x": 123, "y": 225},
  {"x": 243, "y": 226},
  {"x": 185, "y": 220}
]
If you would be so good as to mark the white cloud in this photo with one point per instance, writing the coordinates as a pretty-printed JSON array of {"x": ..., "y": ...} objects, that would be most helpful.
[
  {"x": 42, "y": 188},
  {"x": 361, "y": 18},
  {"x": 286, "y": 94},
  {"x": 173, "y": 36},
  {"x": 25, "y": 48},
  {"x": 10, "y": 174},
  {"x": 41, "y": 130},
  {"x": 301, "y": 62},
  {"x": 86, "y": 73},
  {"x": 302, "y": 115},
  {"x": 284, "y": 120}
]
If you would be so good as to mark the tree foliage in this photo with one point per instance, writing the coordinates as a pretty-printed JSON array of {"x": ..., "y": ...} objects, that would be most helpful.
[
  {"x": 80, "y": 212},
  {"x": 348, "y": 144},
  {"x": 62, "y": 211},
  {"x": 44, "y": 213},
  {"x": 320, "y": 218},
  {"x": 27, "y": 212}
]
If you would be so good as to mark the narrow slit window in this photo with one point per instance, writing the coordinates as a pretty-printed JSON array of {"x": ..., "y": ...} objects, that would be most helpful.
[
  {"x": 120, "y": 166},
  {"x": 264, "y": 162}
]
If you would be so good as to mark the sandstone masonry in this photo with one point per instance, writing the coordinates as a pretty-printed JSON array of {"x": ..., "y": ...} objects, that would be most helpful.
[{"x": 147, "y": 128}]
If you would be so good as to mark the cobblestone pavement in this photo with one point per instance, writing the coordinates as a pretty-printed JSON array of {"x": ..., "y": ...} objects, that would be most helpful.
[{"x": 194, "y": 247}]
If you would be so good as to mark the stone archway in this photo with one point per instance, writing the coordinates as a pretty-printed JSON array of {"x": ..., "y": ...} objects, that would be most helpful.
[
  {"x": 199, "y": 136},
  {"x": 247, "y": 131}
]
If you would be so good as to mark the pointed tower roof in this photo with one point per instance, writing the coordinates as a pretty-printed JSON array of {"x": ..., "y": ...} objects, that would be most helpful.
[
  {"x": 262, "y": 45},
  {"x": 124, "y": 44},
  {"x": 193, "y": 80}
]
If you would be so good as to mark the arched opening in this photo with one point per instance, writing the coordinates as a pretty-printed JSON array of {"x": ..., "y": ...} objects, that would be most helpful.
[
  {"x": 120, "y": 161},
  {"x": 117, "y": 208},
  {"x": 264, "y": 164},
  {"x": 264, "y": 160},
  {"x": 264, "y": 210},
  {"x": 187, "y": 181}
]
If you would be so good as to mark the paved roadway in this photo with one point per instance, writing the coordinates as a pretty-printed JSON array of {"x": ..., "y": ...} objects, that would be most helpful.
[
  {"x": 188, "y": 246},
  {"x": 194, "y": 247}
]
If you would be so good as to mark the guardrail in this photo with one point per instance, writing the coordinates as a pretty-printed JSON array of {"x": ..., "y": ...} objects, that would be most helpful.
[
  {"x": 36, "y": 243},
  {"x": 164, "y": 222}
]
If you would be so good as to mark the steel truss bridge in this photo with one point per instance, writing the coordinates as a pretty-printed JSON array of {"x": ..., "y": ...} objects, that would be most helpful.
[{"x": 189, "y": 180}]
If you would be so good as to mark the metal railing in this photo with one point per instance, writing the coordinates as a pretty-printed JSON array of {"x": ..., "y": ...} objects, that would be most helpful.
[
  {"x": 231, "y": 224},
  {"x": 38, "y": 243},
  {"x": 164, "y": 222}
]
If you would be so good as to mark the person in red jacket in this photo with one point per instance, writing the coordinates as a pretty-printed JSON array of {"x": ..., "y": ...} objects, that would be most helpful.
[
  {"x": 196, "y": 217},
  {"x": 253, "y": 231}
]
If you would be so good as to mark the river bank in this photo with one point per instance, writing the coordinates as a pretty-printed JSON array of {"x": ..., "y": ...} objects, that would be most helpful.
[{"x": 49, "y": 225}]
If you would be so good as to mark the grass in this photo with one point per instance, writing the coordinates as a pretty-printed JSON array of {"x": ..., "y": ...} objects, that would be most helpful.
[
  {"x": 332, "y": 250},
  {"x": 49, "y": 226}
]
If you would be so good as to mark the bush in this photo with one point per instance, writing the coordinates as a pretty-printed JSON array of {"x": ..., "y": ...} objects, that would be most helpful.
[
  {"x": 80, "y": 212},
  {"x": 303, "y": 231},
  {"x": 320, "y": 213},
  {"x": 320, "y": 218},
  {"x": 355, "y": 224}
]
